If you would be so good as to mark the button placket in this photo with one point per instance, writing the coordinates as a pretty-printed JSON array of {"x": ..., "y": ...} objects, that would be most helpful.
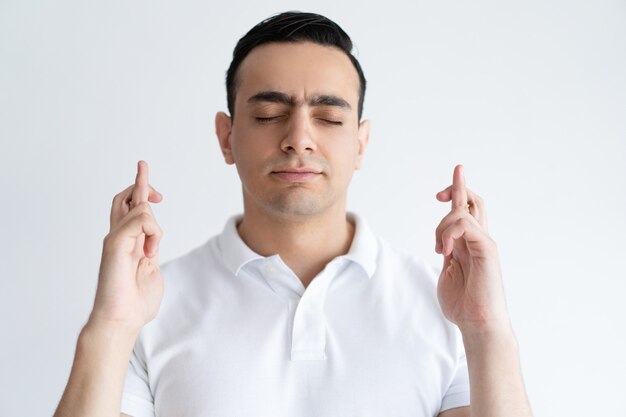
[
  {"x": 280, "y": 278},
  {"x": 309, "y": 324}
]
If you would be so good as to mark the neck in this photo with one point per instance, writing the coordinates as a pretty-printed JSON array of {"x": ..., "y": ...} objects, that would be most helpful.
[{"x": 305, "y": 243}]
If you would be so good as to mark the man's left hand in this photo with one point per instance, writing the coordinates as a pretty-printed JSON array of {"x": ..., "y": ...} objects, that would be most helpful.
[{"x": 470, "y": 285}]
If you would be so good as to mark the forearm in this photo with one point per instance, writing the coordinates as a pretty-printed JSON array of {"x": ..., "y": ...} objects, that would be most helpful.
[
  {"x": 97, "y": 379},
  {"x": 496, "y": 383}
]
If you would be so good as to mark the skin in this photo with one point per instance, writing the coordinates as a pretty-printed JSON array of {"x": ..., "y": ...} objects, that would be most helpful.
[
  {"x": 295, "y": 128},
  {"x": 130, "y": 289},
  {"x": 313, "y": 124},
  {"x": 471, "y": 295}
]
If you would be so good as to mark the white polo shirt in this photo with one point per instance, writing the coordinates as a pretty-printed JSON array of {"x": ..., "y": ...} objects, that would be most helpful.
[{"x": 237, "y": 334}]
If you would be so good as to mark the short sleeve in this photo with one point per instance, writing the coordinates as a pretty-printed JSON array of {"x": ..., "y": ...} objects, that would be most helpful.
[
  {"x": 137, "y": 400},
  {"x": 458, "y": 392}
]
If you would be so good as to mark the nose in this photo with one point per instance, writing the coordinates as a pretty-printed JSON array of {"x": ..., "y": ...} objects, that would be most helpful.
[{"x": 298, "y": 138}]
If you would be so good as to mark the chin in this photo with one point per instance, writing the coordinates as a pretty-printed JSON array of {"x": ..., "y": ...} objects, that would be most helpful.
[{"x": 295, "y": 205}]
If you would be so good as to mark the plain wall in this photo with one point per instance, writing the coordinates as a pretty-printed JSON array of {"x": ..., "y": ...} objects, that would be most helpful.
[{"x": 530, "y": 96}]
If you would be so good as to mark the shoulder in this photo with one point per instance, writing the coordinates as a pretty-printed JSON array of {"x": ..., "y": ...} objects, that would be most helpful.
[
  {"x": 383, "y": 259},
  {"x": 196, "y": 261},
  {"x": 401, "y": 264},
  {"x": 409, "y": 283},
  {"x": 189, "y": 280},
  {"x": 187, "y": 277}
]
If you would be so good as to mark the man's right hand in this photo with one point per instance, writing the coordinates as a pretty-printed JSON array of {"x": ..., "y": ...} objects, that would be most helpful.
[
  {"x": 130, "y": 289},
  {"x": 130, "y": 284}
]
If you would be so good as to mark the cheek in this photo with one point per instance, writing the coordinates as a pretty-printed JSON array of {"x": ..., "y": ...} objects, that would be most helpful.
[
  {"x": 343, "y": 159},
  {"x": 249, "y": 148}
]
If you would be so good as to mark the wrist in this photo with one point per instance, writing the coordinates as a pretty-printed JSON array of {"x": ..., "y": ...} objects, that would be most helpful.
[
  {"x": 492, "y": 326},
  {"x": 489, "y": 339},
  {"x": 112, "y": 327},
  {"x": 107, "y": 335}
]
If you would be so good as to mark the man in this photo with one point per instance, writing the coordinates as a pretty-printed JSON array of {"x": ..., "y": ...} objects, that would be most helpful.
[{"x": 296, "y": 308}]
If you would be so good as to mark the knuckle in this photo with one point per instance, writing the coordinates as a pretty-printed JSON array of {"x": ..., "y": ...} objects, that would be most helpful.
[
  {"x": 144, "y": 207},
  {"x": 116, "y": 199},
  {"x": 144, "y": 217},
  {"x": 109, "y": 242},
  {"x": 463, "y": 222},
  {"x": 119, "y": 197}
]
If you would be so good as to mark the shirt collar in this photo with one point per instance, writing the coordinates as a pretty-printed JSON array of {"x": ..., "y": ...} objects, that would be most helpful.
[
  {"x": 235, "y": 253},
  {"x": 364, "y": 248}
]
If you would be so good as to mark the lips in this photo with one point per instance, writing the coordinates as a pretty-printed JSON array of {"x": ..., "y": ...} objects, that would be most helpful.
[{"x": 296, "y": 174}]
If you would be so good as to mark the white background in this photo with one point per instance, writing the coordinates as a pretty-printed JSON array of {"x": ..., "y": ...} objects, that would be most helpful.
[{"x": 530, "y": 96}]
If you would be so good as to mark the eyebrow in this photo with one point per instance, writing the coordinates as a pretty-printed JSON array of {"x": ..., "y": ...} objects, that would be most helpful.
[
  {"x": 282, "y": 98},
  {"x": 329, "y": 100}
]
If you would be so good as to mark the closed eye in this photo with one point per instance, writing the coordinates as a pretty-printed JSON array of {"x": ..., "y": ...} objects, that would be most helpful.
[
  {"x": 267, "y": 119},
  {"x": 332, "y": 122},
  {"x": 276, "y": 118}
]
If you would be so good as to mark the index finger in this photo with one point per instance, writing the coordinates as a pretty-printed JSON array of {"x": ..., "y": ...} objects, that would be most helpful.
[
  {"x": 458, "y": 191},
  {"x": 141, "y": 190}
]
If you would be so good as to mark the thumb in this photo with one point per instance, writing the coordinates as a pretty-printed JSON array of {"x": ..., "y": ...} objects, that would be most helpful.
[{"x": 147, "y": 268}]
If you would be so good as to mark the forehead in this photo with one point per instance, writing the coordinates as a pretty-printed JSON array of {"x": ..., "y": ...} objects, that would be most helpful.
[{"x": 301, "y": 69}]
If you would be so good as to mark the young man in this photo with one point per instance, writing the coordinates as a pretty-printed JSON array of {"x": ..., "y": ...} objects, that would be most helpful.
[{"x": 296, "y": 308}]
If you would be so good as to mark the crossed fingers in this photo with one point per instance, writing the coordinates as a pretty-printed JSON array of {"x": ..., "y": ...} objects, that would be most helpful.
[
  {"x": 140, "y": 221},
  {"x": 131, "y": 211},
  {"x": 466, "y": 219},
  {"x": 140, "y": 192},
  {"x": 463, "y": 198}
]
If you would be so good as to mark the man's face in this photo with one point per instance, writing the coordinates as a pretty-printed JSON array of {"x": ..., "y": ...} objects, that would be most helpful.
[{"x": 296, "y": 138}]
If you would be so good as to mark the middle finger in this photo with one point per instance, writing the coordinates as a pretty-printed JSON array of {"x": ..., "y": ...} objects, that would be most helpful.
[
  {"x": 141, "y": 190},
  {"x": 458, "y": 192}
]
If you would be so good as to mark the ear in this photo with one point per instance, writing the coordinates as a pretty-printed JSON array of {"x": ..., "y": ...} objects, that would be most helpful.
[
  {"x": 363, "y": 137},
  {"x": 223, "y": 129}
]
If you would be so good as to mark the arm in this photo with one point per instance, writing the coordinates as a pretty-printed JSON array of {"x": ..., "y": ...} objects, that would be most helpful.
[
  {"x": 130, "y": 289},
  {"x": 471, "y": 296},
  {"x": 497, "y": 387},
  {"x": 97, "y": 377}
]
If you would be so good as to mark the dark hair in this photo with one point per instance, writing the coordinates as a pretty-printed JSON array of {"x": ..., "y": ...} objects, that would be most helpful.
[{"x": 291, "y": 27}]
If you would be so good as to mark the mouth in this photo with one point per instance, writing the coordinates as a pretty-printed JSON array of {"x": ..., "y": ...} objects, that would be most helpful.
[{"x": 296, "y": 174}]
